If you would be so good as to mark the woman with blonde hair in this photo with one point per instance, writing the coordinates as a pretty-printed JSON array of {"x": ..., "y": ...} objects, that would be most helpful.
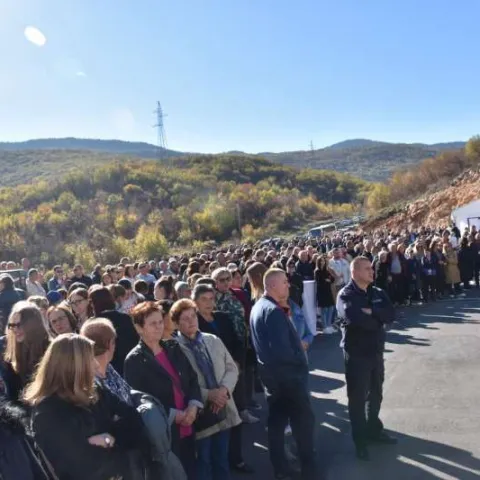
[
  {"x": 83, "y": 430},
  {"x": 452, "y": 271},
  {"x": 26, "y": 341}
]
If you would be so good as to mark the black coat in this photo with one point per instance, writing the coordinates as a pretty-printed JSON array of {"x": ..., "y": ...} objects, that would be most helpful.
[
  {"x": 222, "y": 327},
  {"x": 363, "y": 334},
  {"x": 381, "y": 274},
  {"x": 62, "y": 429},
  {"x": 305, "y": 270},
  {"x": 127, "y": 337},
  {"x": 466, "y": 262},
  {"x": 324, "y": 280},
  {"x": 296, "y": 288},
  {"x": 143, "y": 372}
]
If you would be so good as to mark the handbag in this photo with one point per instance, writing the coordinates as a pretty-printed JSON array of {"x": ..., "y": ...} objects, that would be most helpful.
[{"x": 206, "y": 418}]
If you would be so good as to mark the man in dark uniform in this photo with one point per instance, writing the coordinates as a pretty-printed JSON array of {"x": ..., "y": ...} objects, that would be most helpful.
[{"x": 364, "y": 311}]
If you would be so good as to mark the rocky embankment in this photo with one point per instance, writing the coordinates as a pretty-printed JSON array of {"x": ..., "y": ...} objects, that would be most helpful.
[{"x": 432, "y": 209}]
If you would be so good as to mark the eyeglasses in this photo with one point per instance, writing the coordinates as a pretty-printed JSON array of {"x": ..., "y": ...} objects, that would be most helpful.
[
  {"x": 77, "y": 302},
  {"x": 14, "y": 325},
  {"x": 58, "y": 319},
  {"x": 223, "y": 280}
]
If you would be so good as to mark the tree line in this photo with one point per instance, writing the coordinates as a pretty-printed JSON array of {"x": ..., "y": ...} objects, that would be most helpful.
[{"x": 408, "y": 183}]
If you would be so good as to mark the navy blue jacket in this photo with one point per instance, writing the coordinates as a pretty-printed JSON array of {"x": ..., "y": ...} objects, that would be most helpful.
[
  {"x": 280, "y": 355},
  {"x": 306, "y": 270},
  {"x": 362, "y": 333}
]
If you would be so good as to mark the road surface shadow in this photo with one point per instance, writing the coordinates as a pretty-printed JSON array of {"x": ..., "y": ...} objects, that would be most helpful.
[{"x": 413, "y": 458}]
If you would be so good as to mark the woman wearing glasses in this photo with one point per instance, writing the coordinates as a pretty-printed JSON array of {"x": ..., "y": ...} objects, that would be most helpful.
[
  {"x": 26, "y": 342},
  {"x": 78, "y": 301},
  {"x": 61, "y": 320}
]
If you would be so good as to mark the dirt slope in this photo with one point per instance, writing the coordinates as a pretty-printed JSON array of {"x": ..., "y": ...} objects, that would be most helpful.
[{"x": 433, "y": 209}]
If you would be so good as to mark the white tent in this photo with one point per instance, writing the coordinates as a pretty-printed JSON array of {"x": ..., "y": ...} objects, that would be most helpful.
[{"x": 467, "y": 215}]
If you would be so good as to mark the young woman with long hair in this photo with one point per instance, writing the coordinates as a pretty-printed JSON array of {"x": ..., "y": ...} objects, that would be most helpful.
[
  {"x": 84, "y": 430},
  {"x": 325, "y": 279},
  {"x": 61, "y": 320},
  {"x": 255, "y": 275},
  {"x": 164, "y": 289},
  {"x": 80, "y": 305},
  {"x": 27, "y": 341},
  {"x": 129, "y": 274}
]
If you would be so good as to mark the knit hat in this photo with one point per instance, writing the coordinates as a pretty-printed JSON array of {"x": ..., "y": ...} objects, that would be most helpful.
[{"x": 54, "y": 297}]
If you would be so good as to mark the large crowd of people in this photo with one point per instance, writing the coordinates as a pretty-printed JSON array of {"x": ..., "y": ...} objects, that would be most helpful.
[{"x": 151, "y": 368}]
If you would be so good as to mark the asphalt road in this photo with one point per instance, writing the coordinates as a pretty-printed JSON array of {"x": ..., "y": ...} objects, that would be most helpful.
[{"x": 431, "y": 401}]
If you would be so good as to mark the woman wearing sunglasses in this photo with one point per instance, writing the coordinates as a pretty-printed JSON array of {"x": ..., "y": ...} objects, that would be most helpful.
[{"x": 26, "y": 342}]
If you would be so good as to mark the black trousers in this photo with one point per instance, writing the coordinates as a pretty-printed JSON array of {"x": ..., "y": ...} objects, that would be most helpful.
[
  {"x": 291, "y": 404},
  {"x": 364, "y": 376},
  {"x": 397, "y": 288},
  {"x": 235, "y": 449},
  {"x": 429, "y": 283}
]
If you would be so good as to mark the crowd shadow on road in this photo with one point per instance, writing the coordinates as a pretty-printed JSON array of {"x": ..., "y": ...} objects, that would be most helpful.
[
  {"x": 413, "y": 458},
  {"x": 422, "y": 317}
]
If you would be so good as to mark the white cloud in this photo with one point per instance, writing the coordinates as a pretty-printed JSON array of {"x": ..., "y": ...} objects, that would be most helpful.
[
  {"x": 35, "y": 36},
  {"x": 81, "y": 74}
]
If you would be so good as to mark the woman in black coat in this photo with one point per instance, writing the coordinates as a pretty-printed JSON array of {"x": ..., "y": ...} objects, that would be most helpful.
[
  {"x": 161, "y": 369},
  {"x": 466, "y": 262},
  {"x": 382, "y": 272},
  {"x": 296, "y": 282},
  {"x": 103, "y": 306},
  {"x": 325, "y": 280},
  {"x": 84, "y": 431}
]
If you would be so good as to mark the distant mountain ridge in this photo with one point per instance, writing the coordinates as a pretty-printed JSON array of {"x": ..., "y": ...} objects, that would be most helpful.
[
  {"x": 368, "y": 159},
  {"x": 141, "y": 149}
]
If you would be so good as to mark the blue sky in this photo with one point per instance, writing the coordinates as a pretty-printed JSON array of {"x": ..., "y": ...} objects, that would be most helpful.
[{"x": 251, "y": 75}]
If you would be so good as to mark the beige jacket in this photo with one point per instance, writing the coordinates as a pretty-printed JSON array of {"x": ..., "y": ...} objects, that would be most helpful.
[
  {"x": 226, "y": 373},
  {"x": 452, "y": 272}
]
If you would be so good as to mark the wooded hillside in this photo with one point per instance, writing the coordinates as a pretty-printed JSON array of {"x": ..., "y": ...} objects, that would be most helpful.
[{"x": 141, "y": 208}]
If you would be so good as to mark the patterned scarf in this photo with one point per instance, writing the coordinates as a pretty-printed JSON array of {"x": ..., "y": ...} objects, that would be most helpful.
[{"x": 202, "y": 359}]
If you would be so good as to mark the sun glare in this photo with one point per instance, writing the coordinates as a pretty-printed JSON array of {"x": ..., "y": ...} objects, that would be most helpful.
[{"x": 35, "y": 36}]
